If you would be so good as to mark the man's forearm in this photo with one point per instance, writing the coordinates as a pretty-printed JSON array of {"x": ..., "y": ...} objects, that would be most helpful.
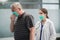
[
  {"x": 32, "y": 34},
  {"x": 12, "y": 26},
  {"x": 12, "y": 22}
]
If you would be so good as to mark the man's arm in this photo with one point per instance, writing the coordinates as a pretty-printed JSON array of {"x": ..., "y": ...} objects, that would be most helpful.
[
  {"x": 30, "y": 26},
  {"x": 12, "y": 23},
  {"x": 32, "y": 33}
]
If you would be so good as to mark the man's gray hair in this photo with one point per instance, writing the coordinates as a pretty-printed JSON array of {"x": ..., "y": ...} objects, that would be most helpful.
[{"x": 16, "y": 5}]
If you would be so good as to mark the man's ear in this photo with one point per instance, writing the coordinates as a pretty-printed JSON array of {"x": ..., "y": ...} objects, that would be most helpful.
[{"x": 12, "y": 10}]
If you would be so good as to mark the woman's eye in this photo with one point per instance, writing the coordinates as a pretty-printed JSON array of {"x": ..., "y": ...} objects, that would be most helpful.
[{"x": 40, "y": 13}]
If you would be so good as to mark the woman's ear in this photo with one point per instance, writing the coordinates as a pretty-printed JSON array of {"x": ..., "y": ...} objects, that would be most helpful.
[{"x": 45, "y": 14}]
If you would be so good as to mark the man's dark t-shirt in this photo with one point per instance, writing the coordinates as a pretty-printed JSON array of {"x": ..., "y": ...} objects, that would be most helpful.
[{"x": 22, "y": 25}]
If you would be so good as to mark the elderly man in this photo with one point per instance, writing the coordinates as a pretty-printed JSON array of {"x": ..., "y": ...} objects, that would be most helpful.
[{"x": 23, "y": 28}]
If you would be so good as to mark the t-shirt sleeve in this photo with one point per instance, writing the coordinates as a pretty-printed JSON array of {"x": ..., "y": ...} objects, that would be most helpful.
[{"x": 29, "y": 21}]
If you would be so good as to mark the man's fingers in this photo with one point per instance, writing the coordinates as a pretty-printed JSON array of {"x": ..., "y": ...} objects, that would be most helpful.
[{"x": 12, "y": 17}]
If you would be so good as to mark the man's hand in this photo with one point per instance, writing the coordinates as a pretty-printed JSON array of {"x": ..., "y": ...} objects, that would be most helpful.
[{"x": 12, "y": 18}]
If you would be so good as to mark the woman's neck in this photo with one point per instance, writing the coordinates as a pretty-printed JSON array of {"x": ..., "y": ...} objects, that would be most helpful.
[{"x": 43, "y": 21}]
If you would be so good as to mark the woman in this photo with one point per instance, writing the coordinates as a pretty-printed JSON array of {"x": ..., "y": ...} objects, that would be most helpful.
[{"x": 45, "y": 28}]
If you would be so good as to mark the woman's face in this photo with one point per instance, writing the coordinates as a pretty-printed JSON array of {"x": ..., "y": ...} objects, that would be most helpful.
[{"x": 42, "y": 15}]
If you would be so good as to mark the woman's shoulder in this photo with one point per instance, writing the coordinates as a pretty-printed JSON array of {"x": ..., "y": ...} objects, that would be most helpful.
[
  {"x": 37, "y": 23},
  {"x": 49, "y": 21}
]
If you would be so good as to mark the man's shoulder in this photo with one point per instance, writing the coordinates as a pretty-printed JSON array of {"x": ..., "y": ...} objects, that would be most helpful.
[{"x": 28, "y": 15}]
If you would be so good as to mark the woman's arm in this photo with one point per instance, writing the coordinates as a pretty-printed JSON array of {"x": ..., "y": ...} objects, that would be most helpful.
[{"x": 52, "y": 32}]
